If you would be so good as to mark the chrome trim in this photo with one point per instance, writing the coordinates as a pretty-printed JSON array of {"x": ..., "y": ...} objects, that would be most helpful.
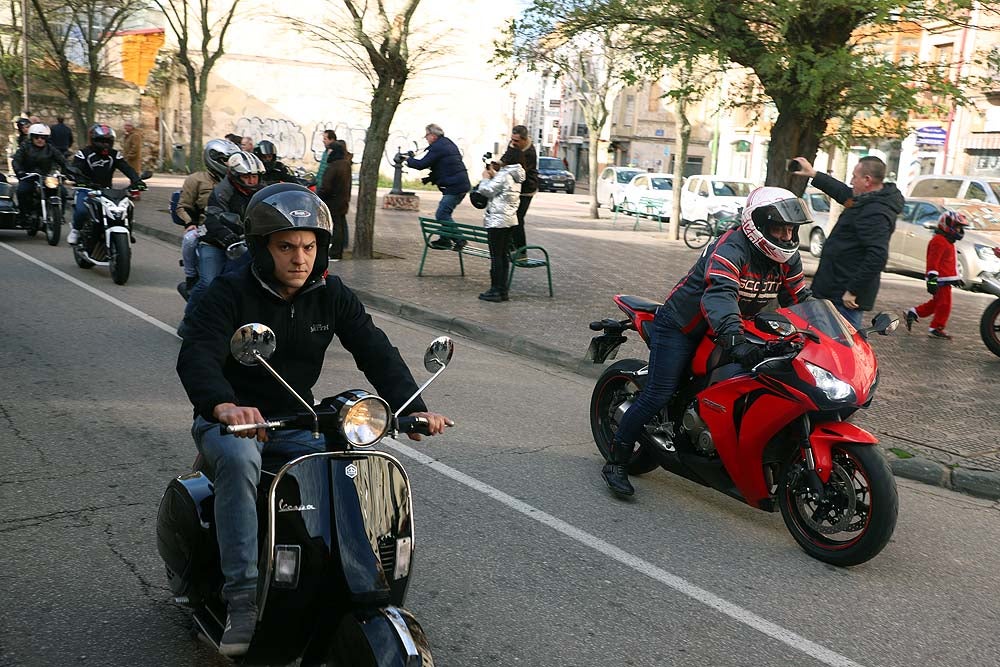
[
  {"x": 353, "y": 454},
  {"x": 403, "y": 632}
]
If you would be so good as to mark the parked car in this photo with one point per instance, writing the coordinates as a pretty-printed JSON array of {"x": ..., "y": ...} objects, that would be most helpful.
[
  {"x": 611, "y": 184},
  {"x": 552, "y": 175},
  {"x": 646, "y": 188},
  {"x": 814, "y": 236},
  {"x": 974, "y": 188},
  {"x": 978, "y": 252},
  {"x": 702, "y": 195}
]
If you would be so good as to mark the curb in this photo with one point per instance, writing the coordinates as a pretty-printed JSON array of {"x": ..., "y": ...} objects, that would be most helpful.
[{"x": 978, "y": 483}]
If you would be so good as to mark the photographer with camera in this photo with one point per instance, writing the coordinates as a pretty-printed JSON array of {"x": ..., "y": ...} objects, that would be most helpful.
[{"x": 448, "y": 172}]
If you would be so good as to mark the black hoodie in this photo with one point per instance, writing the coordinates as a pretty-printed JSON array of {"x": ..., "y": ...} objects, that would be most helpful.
[{"x": 858, "y": 247}]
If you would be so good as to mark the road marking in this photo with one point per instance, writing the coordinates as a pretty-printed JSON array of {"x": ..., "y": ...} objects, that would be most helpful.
[
  {"x": 735, "y": 612},
  {"x": 96, "y": 292}
]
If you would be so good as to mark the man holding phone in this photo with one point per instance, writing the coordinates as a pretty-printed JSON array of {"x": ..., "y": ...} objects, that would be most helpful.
[{"x": 853, "y": 257}]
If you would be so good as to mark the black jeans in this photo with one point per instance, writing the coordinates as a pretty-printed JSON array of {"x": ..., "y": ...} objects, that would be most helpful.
[
  {"x": 499, "y": 259},
  {"x": 517, "y": 233},
  {"x": 337, "y": 242}
]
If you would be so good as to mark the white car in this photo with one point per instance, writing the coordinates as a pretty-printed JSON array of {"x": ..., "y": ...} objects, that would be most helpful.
[
  {"x": 702, "y": 195},
  {"x": 647, "y": 194},
  {"x": 612, "y": 183}
]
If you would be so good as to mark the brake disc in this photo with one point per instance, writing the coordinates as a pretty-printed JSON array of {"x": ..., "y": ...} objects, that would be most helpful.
[{"x": 835, "y": 513}]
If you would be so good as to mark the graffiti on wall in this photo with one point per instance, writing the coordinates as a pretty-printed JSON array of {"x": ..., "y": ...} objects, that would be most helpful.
[{"x": 287, "y": 137}]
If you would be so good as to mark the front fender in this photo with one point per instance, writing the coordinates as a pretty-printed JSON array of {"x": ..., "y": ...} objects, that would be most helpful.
[
  {"x": 117, "y": 229},
  {"x": 826, "y": 435}
]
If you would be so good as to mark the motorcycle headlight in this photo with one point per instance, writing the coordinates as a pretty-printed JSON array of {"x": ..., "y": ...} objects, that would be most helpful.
[
  {"x": 51, "y": 182},
  {"x": 365, "y": 421},
  {"x": 835, "y": 389}
]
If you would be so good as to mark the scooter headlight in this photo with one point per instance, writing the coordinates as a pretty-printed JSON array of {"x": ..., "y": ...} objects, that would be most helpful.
[
  {"x": 365, "y": 420},
  {"x": 51, "y": 182},
  {"x": 835, "y": 389}
]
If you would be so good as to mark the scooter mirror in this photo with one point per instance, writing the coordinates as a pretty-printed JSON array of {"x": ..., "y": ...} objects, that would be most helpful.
[
  {"x": 884, "y": 324},
  {"x": 252, "y": 342},
  {"x": 438, "y": 354}
]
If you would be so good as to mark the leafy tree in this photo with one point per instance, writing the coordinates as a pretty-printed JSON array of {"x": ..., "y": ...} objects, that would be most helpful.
[
  {"x": 810, "y": 59},
  {"x": 201, "y": 35},
  {"x": 11, "y": 56}
]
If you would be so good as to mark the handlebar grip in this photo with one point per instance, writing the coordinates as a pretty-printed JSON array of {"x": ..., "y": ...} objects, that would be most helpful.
[
  {"x": 414, "y": 425},
  {"x": 231, "y": 429}
]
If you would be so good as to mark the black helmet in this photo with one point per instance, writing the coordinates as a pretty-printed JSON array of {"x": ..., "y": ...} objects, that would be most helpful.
[
  {"x": 102, "y": 136},
  {"x": 281, "y": 207},
  {"x": 478, "y": 199},
  {"x": 22, "y": 123},
  {"x": 217, "y": 152},
  {"x": 264, "y": 147}
]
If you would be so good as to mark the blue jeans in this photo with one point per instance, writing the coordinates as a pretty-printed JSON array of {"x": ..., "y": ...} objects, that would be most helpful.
[
  {"x": 236, "y": 465},
  {"x": 80, "y": 208},
  {"x": 447, "y": 206},
  {"x": 212, "y": 263},
  {"x": 854, "y": 316},
  {"x": 189, "y": 253},
  {"x": 670, "y": 353}
]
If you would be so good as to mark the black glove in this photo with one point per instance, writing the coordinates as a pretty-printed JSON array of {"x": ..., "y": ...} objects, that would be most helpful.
[
  {"x": 138, "y": 185},
  {"x": 932, "y": 284},
  {"x": 231, "y": 239},
  {"x": 742, "y": 352}
]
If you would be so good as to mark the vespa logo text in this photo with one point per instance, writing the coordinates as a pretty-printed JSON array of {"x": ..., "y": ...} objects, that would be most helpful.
[{"x": 282, "y": 507}]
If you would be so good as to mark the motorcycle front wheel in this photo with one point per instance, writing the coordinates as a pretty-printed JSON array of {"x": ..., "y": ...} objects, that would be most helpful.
[
  {"x": 53, "y": 227},
  {"x": 856, "y": 516},
  {"x": 120, "y": 258},
  {"x": 616, "y": 385},
  {"x": 697, "y": 234},
  {"x": 989, "y": 327}
]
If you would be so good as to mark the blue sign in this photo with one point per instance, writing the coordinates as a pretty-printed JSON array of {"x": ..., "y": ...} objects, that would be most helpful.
[
  {"x": 932, "y": 136},
  {"x": 658, "y": 133}
]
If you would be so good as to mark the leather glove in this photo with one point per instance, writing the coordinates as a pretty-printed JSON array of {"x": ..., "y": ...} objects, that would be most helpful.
[
  {"x": 230, "y": 239},
  {"x": 138, "y": 185},
  {"x": 932, "y": 284},
  {"x": 740, "y": 351}
]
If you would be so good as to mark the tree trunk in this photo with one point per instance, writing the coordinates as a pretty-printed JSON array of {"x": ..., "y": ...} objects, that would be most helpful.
[
  {"x": 683, "y": 126},
  {"x": 383, "y": 110},
  {"x": 794, "y": 134},
  {"x": 197, "y": 129},
  {"x": 593, "y": 143}
]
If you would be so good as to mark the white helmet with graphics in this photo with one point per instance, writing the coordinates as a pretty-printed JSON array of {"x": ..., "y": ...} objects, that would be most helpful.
[
  {"x": 244, "y": 171},
  {"x": 769, "y": 207},
  {"x": 39, "y": 130}
]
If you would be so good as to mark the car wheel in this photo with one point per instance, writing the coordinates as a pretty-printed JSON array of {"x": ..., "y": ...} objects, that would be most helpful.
[
  {"x": 570, "y": 188},
  {"x": 816, "y": 241},
  {"x": 962, "y": 270}
]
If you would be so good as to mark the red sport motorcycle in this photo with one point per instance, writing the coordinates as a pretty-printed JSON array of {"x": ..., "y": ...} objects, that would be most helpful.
[{"x": 775, "y": 436}]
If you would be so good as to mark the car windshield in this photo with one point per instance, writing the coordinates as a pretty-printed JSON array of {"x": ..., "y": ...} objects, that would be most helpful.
[
  {"x": 730, "y": 188},
  {"x": 625, "y": 175},
  {"x": 550, "y": 163},
  {"x": 822, "y": 316},
  {"x": 662, "y": 183},
  {"x": 820, "y": 203}
]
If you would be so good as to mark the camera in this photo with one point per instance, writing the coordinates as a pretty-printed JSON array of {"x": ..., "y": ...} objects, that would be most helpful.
[{"x": 488, "y": 157}]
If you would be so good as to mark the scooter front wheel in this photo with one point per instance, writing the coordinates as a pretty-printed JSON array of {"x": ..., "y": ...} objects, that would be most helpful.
[
  {"x": 989, "y": 327},
  {"x": 615, "y": 386},
  {"x": 854, "y": 518}
]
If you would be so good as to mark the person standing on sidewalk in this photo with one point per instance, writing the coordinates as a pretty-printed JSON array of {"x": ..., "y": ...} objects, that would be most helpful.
[
  {"x": 501, "y": 185},
  {"x": 448, "y": 172},
  {"x": 942, "y": 273},
  {"x": 520, "y": 140},
  {"x": 132, "y": 147},
  {"x": 62, "y": 136},
  {"x": 329, "y": 136},
  {"x": 335, "y": 191},
  {"x": 850, "y": 267}
]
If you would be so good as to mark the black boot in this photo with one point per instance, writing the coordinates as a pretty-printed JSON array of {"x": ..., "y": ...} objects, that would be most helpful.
[
  {"x": 615, "y": 471},
  {"x": 492, "y": 294}
]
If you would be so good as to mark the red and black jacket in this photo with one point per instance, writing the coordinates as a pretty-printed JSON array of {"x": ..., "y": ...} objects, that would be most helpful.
[{"x": 731, "y": 281}]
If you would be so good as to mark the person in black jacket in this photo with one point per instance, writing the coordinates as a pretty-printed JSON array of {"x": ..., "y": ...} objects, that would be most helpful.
[
  {"x": 96, "y": 164},
  {"x": 850, "y": 267},
  {"x": 62, "y": 135},
  {"x": 274, "y": 170},
  {"x": 36, "y": 156},
  {"x": 288, "y": 231},
  {"x": 733, "y": 279},
  {"x": 520, "y": 140},
  {"x": 448, "y": 172}
]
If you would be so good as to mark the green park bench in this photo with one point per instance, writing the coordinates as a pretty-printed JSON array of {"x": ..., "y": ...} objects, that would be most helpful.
[
  {"x": 646, "y": 206},
  {"x": 477, "y": 245}
]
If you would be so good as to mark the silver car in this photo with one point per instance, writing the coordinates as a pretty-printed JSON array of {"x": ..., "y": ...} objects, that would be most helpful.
[
  {"x": 977, "y": 253},
  {"x": 814, "y": 235}
]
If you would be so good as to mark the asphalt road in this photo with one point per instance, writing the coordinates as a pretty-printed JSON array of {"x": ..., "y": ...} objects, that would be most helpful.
[{"x": 522, "y": 558}]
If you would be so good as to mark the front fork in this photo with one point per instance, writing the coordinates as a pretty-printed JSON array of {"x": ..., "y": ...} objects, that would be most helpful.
[{"x": 818, "y": 464}]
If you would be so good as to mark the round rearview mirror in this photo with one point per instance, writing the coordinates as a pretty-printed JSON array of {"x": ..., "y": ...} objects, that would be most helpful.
[
  {"x": 252, "y": 342},
  {"x": 438, "y": 354}
]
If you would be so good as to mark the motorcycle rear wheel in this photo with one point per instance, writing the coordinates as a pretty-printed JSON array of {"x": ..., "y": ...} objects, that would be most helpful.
[
  {"x": 616, "y": 385},
  {"x": 858, "y": 515},
  {"x": 989, "y": 327},
  {"x": 697, "y": 234},
  {"x": 120, "y": 258}
]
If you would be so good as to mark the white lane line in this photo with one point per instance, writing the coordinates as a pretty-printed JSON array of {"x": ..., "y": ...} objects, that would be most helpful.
[
  {"x": 735, "y": 612},
  {"x": 96, "y": 292}
]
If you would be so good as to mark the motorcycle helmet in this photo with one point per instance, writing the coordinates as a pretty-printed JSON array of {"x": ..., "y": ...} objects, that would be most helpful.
[
  {"x": 281, "y": 207},
  {"x": 265, "y": 151},
  {"x": 102, "y": 137},
  {"x": 39, "y": 130},
  {"x": 21, "y": 124},
  {"x": 952, "y": 224},
  {"x": 478, "y": 199},
  {"x": 767, "y": 207},
  {"x": 216, "y": 156},
  {"x": 241, "y": 167}
]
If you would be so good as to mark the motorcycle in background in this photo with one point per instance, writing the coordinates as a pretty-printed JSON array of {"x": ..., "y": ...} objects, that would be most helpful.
[
  {"x": 774, "y": 436},
  {"x": 48, "y": 211},
  {"x": 337, "y": 536},
  {"x": 989, "y": 325},
  {"x": 106, "y": 234}
]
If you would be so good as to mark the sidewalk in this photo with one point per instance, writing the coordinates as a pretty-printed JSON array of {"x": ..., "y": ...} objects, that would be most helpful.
[{"x": 936, "y": 412}]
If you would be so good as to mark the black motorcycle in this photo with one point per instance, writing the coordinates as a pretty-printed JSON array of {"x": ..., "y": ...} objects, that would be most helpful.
[
  {"x": 335, "y": 533},
  {"x": 106, "y": 234},
  {"x": 46, "y": 211},
  {"x": 989, "y": 325}
]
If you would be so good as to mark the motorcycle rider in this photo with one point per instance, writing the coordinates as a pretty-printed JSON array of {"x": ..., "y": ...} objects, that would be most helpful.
[
  {"x": 22, "y": 126},
  {"x": 224, "y": 224},
  {"x": 274, "y": 171},
  {"x": 193, "y": 203},
  {"x": 288, "y": 231},
  {"x": 37, "y": 157},
  {"x": 96, "y": 164},
  {"x": 733, "y": 279}
]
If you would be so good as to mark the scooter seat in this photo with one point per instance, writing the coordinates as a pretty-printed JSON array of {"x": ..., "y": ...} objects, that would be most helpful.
[{"x": 639, "y": 304}]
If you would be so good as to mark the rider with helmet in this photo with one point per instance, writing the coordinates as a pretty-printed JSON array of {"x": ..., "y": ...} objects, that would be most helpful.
[
  {"x": 193, "y": 204},
  {"x": 732, "y": 280},
  {"x": 96, "y": 163},
  {"x": 22, "y": 126},
  {"x": 36, "y": 156},
  {"x": 224, "y": 225},
  {"x": 942, "y": 274},
  {"x": 288, "y": 230},
  {"x": 274, "y": 171}
]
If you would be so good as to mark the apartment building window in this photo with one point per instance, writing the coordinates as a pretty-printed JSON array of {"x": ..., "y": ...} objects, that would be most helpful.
[
  {"x": 629, "y": 110},
  {"x": 655, "y": 93},
  {"x": 941, "y": 58}
]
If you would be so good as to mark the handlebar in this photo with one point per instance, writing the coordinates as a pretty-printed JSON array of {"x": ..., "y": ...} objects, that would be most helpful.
[{"x": 414, "y": 425}]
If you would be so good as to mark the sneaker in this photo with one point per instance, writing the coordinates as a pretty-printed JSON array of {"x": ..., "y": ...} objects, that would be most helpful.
[
  {"x": 939, "y": 333},
  {"x": 459, "y": 244},
  {"x": 911, "y": 317},
  {"x": 493, "y": 295},
  {"x": 441, "y": 244},
  {"x": 240, "y": 624},
  {"x": 73, "y": 237}
]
